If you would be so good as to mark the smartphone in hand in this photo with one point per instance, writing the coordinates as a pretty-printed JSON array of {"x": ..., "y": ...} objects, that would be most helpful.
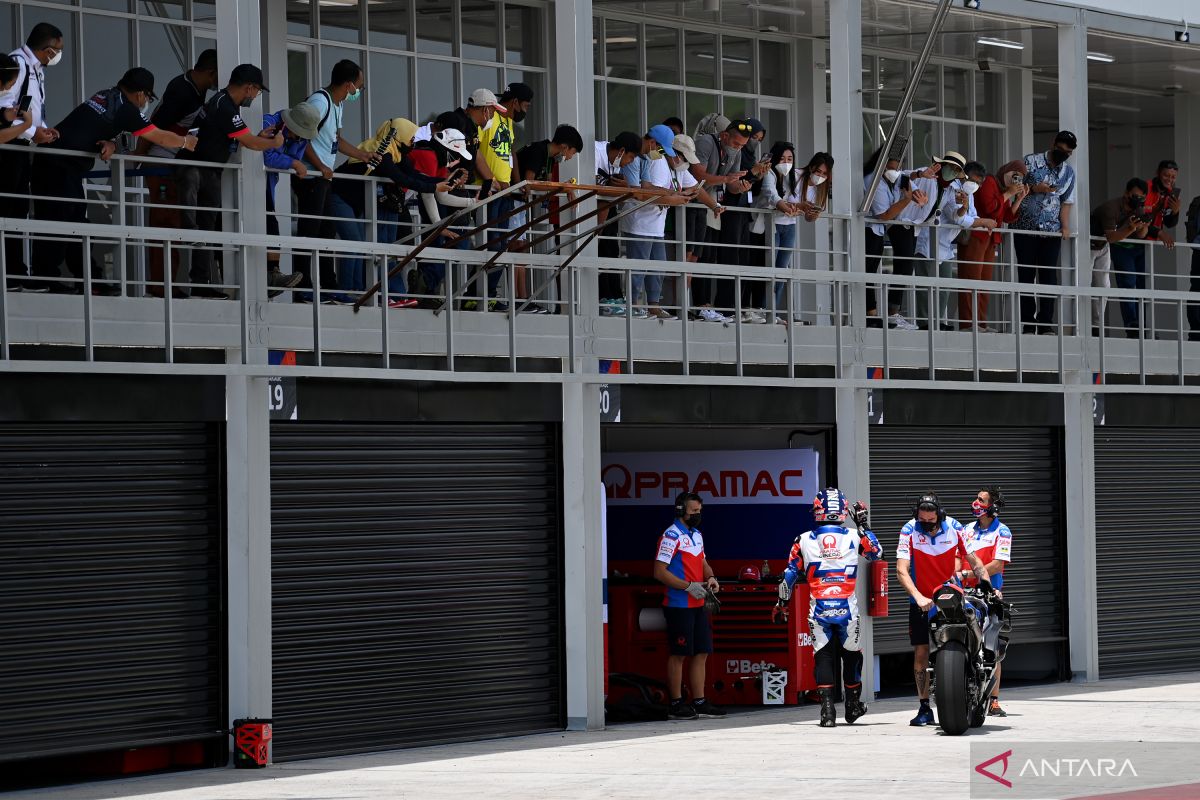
[{"x": 25, "y": 103}]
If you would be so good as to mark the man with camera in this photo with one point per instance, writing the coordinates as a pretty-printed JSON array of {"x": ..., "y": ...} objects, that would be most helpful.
[
  {"x": 681, "y": 566},
  {"x": 931, "y": 545},
  {"x": 1114, "y": 222}
]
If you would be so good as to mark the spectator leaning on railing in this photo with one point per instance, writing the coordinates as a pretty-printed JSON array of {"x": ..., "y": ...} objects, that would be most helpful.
[
  {"x": 57, "y": 179},
  {"x": 297, "y": 125},
  {"x": 1113, "y": 222},
  {"x": 998, "y": 204},
  {"x": 220, "y": 130}
]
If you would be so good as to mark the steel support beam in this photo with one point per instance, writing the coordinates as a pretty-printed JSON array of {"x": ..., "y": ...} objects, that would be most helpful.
[
  {"x": 854, "y": 479},
  {"x": 1079, "y": 466},
  {"x": 1073, "y": 116}
]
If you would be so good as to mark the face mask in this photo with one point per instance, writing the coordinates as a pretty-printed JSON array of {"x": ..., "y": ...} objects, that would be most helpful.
[
  {"x": 928, "y": 527},
  {"x": 693, "y": 521},
  {"x": 784, "y": 169},
  {"x": 1058, "y": 157},
  {"x": 970, "y": 187},
  {"x": 949, "y": 174},
  {"x": 891, "y": 175},
  {"x": 518, "y": 116},
  {"x": 978, "y": 508},
  {"x": 355, "y": 95},
  {"x": 730, "y": 152},
  {"x": 247, "y": 101},
  {"x": 655, "y": 155},
  {"x": 57, "y": 58},
  {"x": 816, "y": 180}
]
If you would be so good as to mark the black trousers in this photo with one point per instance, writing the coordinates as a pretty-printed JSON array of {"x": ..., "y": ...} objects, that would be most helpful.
[
  {"x": 56, "y": 177},
  {"x": 14, "y": 179},
  {"x": 611, "y": 284},
  {"x": 1193, "y": 312},
  {"x": 1037, "y": 262},
  {"x": 754, "y": 293},
  {"x": 874, "y": 248},
  {"x": 200, "y": 194},
  {"x": 734, "y": 230},
  {"x": 312, "y": 199},
  {"x": 825, "y": 665},
  {"x": 904, "y": 251}
]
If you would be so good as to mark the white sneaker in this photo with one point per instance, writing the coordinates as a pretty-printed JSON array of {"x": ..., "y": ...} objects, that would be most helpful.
[
  {"x": 640, "y": 313},
  {"x": 900, "y": 323},
  {"x": 711, "y": 315},
  {"x": 750, "y": 318}
]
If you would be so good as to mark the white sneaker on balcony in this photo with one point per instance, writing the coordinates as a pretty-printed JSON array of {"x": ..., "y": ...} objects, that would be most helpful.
[
  {"x": 712, "y": 315},
  {"x": 900, "y": 323}
]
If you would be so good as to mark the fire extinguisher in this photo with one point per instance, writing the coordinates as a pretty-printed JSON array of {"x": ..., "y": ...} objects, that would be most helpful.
[{"x": 877, "y": 605}]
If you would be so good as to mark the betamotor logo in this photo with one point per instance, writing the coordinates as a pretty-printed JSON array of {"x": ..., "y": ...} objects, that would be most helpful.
[{"x": 1003, "y": 757}]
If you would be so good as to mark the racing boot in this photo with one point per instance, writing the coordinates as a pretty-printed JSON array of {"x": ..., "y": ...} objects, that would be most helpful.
[
  {"x": 828, "y": 711},
  {"x": 854, "y": 706}
]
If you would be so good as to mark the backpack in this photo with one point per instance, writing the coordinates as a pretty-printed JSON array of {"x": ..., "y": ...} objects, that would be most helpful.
[{"x": 1192, "y": 225}]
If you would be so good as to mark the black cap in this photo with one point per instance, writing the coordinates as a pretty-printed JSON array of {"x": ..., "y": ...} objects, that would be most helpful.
[
  {"x": 247, "y": 74},
  {"x": 139, "y": 79},
  {"x": 447, "y": 119},
  {"x": 628, "y": 141},
  {"x": 521, "y": 92}
]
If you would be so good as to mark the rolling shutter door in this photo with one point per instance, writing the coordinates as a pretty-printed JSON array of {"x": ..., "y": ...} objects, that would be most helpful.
[
  {"x": 1146, "y": 481},
  {"x": 957, "y": 462},
  {"x": 416, "y": 585},
  {"x": 112, "y": 574}
]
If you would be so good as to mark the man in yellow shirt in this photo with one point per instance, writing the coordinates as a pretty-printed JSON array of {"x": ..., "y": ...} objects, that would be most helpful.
[{"x": 497, "y": 147}]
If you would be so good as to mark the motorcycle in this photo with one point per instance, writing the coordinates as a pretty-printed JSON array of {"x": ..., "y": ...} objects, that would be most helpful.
[{"x": 968, "y": 638}]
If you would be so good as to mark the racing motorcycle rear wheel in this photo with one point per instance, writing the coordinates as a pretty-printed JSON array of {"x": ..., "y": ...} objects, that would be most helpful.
[{"x": 952, "y": 701}]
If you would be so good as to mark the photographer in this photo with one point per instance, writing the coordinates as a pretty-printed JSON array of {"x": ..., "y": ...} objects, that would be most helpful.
[
  {"x": 1162, "y": 203},
  {"x": 1115, "y": 221}
]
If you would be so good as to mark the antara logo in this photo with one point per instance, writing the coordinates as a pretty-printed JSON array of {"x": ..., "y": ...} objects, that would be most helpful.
[
  {"x": 1056, "y": 768},
  {"x": 745, "y": 666},
  {"x": 982, "y": 769},
  {"x": 623, "y": 484}
]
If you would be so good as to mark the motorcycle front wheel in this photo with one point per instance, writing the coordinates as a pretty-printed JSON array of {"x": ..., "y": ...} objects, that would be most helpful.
[{"x": 951, "y": 672}]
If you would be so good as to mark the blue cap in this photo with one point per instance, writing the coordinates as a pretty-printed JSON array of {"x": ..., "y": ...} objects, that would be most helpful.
[{"x": 665, "y": 138}]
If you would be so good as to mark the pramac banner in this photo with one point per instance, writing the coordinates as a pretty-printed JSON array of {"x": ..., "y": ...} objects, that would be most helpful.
[{"x": 755, "y": 501}]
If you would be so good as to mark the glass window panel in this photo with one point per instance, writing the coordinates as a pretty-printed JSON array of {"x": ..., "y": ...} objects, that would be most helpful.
[
  {"x": 535, "y": 125},
  {"x": 62, "y": 93},
  {"x": 299, "y": 75},
  {"x": 699, "y": 105},
  {"x": 387, "y": 24},
  {"x": 957, "y": 95},
  {"x": 621, "y": 48},
  {"x": 164, "y": 51},
  {"x": 435, "y": 27},
  {"x": 524, "y": 37},
  {"x": 437, "y": 89},
  {"x": 662, "y": 103},
  {"x": 958, "y": 138},
  {"x": 597, "y": 46},
  {"x": 387, "y": 87},
  {"x": 602, "y": 132},
  {"x": 480, "y": 31},
  {"x": 299, "y": 17},
  {"x": 207, "y": 12},
  {"x": 170, "y": 9},
  {"x": 107, "y": 52},
  {"x": 662, "y": 55},
  {"x": 738, "y": 107},
  {"x": 989, "y": 147},
  {"x": 700, "y": 59},
  {"x": 926, "y": 101},
  {"x": 891, "y": 79},
  {"x": 775, "y": 69},
  {"x": 340, "y": 20},
  {"x": 352, "y": 112},
  {"x": 777, "y": 124},
  {"x": 8, "y": 15},
  {"x": 476, "y": 77},
  {"x": 107, "y": 5},
  {"x": 624, "y": 108},
  {"x": 737, "y": 64},
  {"x": 923, "y": 147},
  {"x": 989, "y": 96}
]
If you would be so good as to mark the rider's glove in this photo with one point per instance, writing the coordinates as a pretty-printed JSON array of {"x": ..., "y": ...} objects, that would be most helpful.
[
  {"x": 697, "y": 590},
  {"x": 780, "y": 612},
  {"x": 986, "y": 585},
  {"x": 785, "y": 592},
  {"x": 858, "y": 513}
]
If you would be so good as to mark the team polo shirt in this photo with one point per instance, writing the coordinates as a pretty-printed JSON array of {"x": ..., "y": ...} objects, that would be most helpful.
[
  {"x": 682, "y": 550},
  {"x": 177, "y": 111},
  {"x": 993, "y": 543},
  {"x": 931, "y": 556},
  {"x": 219, "y": 123},
  {"x": 103, "y": 116}
]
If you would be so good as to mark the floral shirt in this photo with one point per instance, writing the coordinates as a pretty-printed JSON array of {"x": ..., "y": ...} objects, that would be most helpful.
[{"x": 1042, "y": 212}]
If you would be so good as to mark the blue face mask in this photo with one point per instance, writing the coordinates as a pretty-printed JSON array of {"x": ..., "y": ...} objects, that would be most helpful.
[{"x": 356, "y": 94}]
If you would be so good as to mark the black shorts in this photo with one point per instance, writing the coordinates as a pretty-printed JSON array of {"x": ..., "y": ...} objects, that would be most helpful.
[
  {"x": 918, "y": 625},
  {"x": 688, "y": 631}
]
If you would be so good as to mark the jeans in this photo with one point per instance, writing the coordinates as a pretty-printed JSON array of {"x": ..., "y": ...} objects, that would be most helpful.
[
  {"x": 499, "y": 217},
  {"x": 1129, "y": 265},
  {"x": 646, "y": 248},
  {"x": 785, "y": 240},
  {"x": 351, "y": 269},
  {"x": 1037, "y": 262}
]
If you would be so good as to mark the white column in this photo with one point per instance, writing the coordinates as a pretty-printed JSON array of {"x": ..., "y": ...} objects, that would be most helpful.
[
  {"x": 854, "y": 479},
  {"x": 1079, "y": 469},
  {"x": 1073, "y": 116},
  {"x": 846, "y": 121},
  {"x": 811, "y": 137}
]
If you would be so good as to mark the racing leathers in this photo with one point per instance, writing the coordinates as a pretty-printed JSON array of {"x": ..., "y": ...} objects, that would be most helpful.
[{"x": 828, "y": 557}]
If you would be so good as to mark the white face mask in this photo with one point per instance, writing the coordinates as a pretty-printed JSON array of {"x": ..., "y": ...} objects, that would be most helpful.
[
  {"x": 970, "y": 187},
  {"x": 816, "y": 180},
  {"x": 892, "y": 175},
  {"x": 57, "y": 58},
  {"x": 784, "y": 169}
]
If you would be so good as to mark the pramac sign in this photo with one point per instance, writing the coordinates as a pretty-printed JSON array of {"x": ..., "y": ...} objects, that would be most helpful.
[{"x": 742, "y": 477}]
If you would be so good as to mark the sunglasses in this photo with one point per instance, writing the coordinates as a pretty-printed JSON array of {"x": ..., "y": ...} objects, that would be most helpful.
[{"x": 744, "y": 127}]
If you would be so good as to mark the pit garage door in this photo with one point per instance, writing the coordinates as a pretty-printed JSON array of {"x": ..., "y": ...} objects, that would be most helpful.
[
  {"x": 416, "y": 584},
  {"x": 1147, "y": 567},
  {"x": 111, "y": 587},
  {"x": 957, "y": 462}
]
